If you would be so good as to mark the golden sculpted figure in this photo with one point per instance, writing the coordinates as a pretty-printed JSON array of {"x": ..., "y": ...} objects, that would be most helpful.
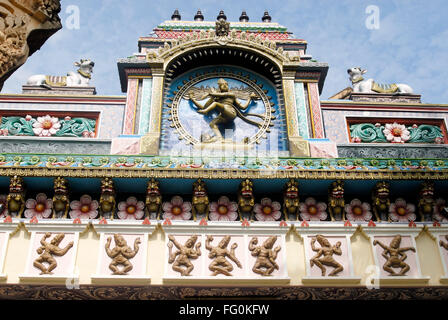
[
  {"x": 121, "y": 254},
  {"x": 153, "y": 198},
  {"x": 61, "y": 201},
  {"x": 220, "y": 253},
  {"x": 16, "y": 197},
  {"x": 107, "y": 198},
  {"x": 291, "y": 199},
  {"x": 327, "y": 250},
  {"x": 426, "y": 201},
  {"x": 246, "y": 199},
  {"x": 381, "y": 200},
  {"x": 225, "y": 101},
  {"x": 395, "y": 256},
  {"x": 336, "y": 200},
  {"x": 444, "y": 244},
  {"x": 183, "y": 254},
  {"x": 48, "y": 250},
  {"x": 265, "y": 263},
  {"x": 201, "y": 203}
]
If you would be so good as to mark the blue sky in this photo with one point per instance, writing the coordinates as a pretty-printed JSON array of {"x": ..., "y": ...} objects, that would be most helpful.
[{"x": 410, "y": 46}]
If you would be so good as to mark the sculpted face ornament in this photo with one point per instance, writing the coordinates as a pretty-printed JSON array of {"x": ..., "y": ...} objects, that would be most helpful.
[
  {"x": 48, "y": 250},
  {"x": 121, "y": 254},
  {"x": 327, "y": 250},
  {"x": 395, "y": 256}
]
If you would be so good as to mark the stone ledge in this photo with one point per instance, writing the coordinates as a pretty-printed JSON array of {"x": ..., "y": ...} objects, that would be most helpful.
[
  {"x": 392, "y": 150},
  {"x": 39, "y": 90},
  {"x": 325, "y": 281}
]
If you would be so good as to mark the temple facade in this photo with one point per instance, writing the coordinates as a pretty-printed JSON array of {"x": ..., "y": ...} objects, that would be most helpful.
[{"x": 221, "y": 173}]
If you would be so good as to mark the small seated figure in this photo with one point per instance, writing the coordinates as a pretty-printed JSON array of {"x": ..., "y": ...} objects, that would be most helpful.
[
  {"x": 392, "y": 255},
  {"x": 121, "y": 254},
  {"x": 265, "y": 263},
  {"x": 220, "y": 265},
  {"x": 182, "y": 256}
]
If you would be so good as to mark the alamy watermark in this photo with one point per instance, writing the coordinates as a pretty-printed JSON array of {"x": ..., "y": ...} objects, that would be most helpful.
[
  {"x": 373, "y": 19},
  {"x": 73, "y": 19}
]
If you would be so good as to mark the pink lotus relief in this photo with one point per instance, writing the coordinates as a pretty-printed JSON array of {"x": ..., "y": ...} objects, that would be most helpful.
[
  {"x": 400, "y": 211},
  {"x": 437, "y": 211},
  {"x": 310, "y": 210},
  {"x": 46, "y": 126},
  {"x": 358, "y": 211},
  {"x": 85, "y": 208},
  {"x": 39, "y": 208},
  {"x": 131, "y": 209},
  {"x": 223, "y": 210},
  {"x": 4, "y": 210},
  {"x": 396, "y": 133},
  {"x": 267, "y": 210},
  {"x": 177, "y": 209}
]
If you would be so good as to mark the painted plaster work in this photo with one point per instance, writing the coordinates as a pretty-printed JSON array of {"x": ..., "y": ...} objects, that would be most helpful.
[
  {"x": 336, "y": 124},
  {"x": 316, "y": 112},
  {"x": 301, "y": 109},
  {"x": 54, "y": 146},
  {"x": 110, "y": 115},
  {"x": 145, "y": 107},
  {"x": 362, "y": 150}
]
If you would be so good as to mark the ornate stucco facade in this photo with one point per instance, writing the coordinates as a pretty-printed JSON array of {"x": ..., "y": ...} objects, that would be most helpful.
[{"x": 221, "y": 173}]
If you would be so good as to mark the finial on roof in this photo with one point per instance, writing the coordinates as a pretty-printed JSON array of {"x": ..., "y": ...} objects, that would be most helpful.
[
  {"x": 221, "y": 16},
  {"x": 244, "y": 17},
  {"x": 176, "y": 16},
  {"x": 266, "y": 17},
  {"x": 199, "y": 16}
]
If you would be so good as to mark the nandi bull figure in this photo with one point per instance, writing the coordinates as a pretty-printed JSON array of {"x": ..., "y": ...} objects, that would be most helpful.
[
  {"x": 361, "y": 85},
  {"x": 80, "y": 78}
]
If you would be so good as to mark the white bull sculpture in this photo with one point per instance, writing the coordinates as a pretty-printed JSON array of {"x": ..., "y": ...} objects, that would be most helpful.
[
  {"x": 80, "y": 78},
  {"x": 361, "y": 85}
]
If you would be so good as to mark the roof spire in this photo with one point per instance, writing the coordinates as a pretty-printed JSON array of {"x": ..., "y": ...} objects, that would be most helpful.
[
  {"x": 176, "y": 16},
  {"x": 221, "y": 16},
  {"x": 199, "y": 16},
  {"x": 244, "y": 17},
  {"x": 266, "y": 17}
]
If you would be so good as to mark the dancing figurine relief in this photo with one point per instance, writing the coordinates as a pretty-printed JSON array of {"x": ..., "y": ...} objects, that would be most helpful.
[
  {"x": 121, "y": 254},
  {"x": 182, "y": 256},
  {"x": 327, "y": 250},
  {"x": 392, "y": 255},
  {"x": 220, "y": 264},
  {"x": 265, "y": 263},
  {"x": 444, "y": 244},
  {"x": 48, "y": 250}
]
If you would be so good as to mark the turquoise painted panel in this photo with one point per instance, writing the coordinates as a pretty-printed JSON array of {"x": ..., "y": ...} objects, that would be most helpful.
[
  {"x": 145, "y": 107},
  {"x": 301, "y": 109}
]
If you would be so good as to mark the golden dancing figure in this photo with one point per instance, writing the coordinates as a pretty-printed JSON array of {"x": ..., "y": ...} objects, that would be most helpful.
[
  {"x": 392, "y": 255},
  {"x": 327, "y": 250},
  {"x": 48, "y": 250},
  {"x": 121, "y": 254},
  {"x": 265, "y": 263},
  {"x": 221, "y": 265},
  {"x": 225, "y": 101},
  {"x": 184, "y": 254}
]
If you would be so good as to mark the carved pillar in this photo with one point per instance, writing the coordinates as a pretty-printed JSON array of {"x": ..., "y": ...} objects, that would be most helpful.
[
  {"x": 25, "y": 25},
  {"x": 151, "y": 140},
  {"x": 298, "y": 147}
]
